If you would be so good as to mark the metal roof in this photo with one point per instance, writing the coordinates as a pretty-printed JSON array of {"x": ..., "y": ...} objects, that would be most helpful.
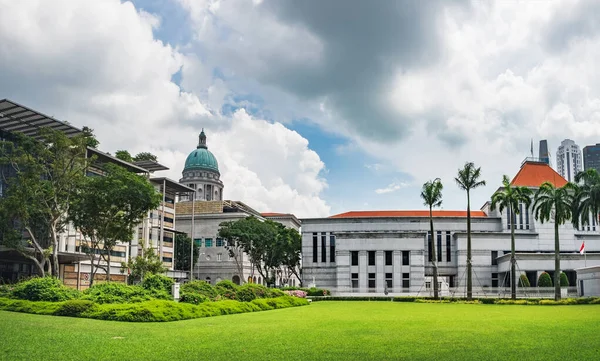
[
  {"x": 151, "y": 165},
  {"x": 172, "y": 186},
  {"x": 102, "y": 157},
  {"x": 16, "y": 118}
]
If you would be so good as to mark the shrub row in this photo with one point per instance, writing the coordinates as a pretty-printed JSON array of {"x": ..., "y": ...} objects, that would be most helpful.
[
  {"x": 197, "y": 292},
  {"x": 488, "y": 301},
  {"x": 311, "y": 292},
  {"x": 147, "y": 311}
]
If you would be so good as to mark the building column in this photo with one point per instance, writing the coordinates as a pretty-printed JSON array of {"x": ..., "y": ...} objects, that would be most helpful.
[
  {"x": 362, "y": 272},
  {"x": 380, "y": 272}
]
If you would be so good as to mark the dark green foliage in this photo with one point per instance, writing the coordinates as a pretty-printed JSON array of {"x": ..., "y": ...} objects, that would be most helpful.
[
  {"x": 194, "y": 298},
  {"x": 113, "y": 292},
  {"x": 43, "y": 289},
  {"x": 200, "y": 287},
  {"x": 524, "y": 281},
  {"x": 5, "y": 290},
  {"x": 227, "y": 289},
  {"x": 227, "y": 284},
  {"x": 74, "y": 308},
  {"x": 544, "y": 280},
  {"x": 150, "y": 311},
  {"x": 564, "y": 280},
  {"x": 251, "y": 291},
  {"x": 154, "y": 282},
  {"x": 313, "y": 292},
  {"x": 183, "y": 246}
]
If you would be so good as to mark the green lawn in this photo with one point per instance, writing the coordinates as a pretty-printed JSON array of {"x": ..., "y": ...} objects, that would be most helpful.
[{"x": 321, "y": 331}]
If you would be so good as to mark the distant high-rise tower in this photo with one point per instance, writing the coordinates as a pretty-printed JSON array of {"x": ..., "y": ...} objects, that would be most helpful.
[
  {"x": 568, "y": 160},
  {"x": 591, "y": 157},
  {"x": 544, "y": 153}
]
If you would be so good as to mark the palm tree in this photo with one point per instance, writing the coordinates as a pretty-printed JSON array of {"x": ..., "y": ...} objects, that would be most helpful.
[
  {"x": 555, "y": 205},
  {"x": 510, "y": 198},
  {"x": 587, "y": 198},
  {"x": 432, "y": 195},
  {"x": 468, "y": 179}
]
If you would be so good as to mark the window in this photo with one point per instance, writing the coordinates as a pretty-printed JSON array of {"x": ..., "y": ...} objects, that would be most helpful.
[
  {"x": 494, "y": 280},
  {"x": 494, "y": 258},
  {"x": 405, "y": 258},
  {"x": 429, "y": 246},
  {"x": 371, "y": 258},
  {"x": 219, "y": 257},
  {"x": 508, "y": 218},
  {"x": 219, "y": 242},
  {"x": 198, "y": 242},
  {"x": 315, "y": 252},
  {"x": 389, "y": 277},
  {"x": 332, "y": 248},
  {"x": 167, "y": 259},
  {"x": 371, "y": 282},
  {"x": 406, "y": 280},
  {"x": 439, "y": 246},
  {"x": 354, "y": 279},
  {"x": 526, "y": 217},
  {"x": 448, "y": 247},
  {"x": 323, "y": 247},
  {"x": 208, "y": 242},
  {"x": 521, "y": 216},
  {"x": 388, "y": 258},
  {"x": 354, "y": 255},
  {"x": 168, "y": 219}
]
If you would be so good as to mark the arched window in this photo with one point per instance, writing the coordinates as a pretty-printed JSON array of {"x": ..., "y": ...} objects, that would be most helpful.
[
  {"x": 254, "y": 279},
  {"x": 236, "y": 279},
  {"x": 208, "y": 280}
]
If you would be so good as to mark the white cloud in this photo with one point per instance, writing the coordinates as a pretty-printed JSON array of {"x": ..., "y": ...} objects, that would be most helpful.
[
  {"x": 99, "y": 64},
  {"x": 392, "y": 187}
]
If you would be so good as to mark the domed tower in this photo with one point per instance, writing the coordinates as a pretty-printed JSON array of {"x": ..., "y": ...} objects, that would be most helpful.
[{"x": 201, "y": 172}]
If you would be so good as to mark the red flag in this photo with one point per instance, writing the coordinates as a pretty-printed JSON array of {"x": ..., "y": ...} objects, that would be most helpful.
[{"x": 582, "y": 248}]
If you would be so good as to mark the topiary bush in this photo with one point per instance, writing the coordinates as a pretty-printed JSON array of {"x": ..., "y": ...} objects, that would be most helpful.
[
  {"x": 74, "y": 308},
  {"x": 43, "y": 289},
  {"x": 114, "y": 292},
  {"x": 564, "y": 280},
  {"x": 200, "y": 287},
  {"x": 524, "y": 281},
  {"x": 544, "y": 280},
  {"x": 155, "y": 282}
]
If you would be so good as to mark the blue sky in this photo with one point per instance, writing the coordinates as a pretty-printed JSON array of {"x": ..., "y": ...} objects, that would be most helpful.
[{"x": 314, "y": 107}]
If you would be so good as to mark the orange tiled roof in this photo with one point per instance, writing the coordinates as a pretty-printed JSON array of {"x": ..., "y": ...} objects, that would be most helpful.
[
  {"x": 422, "y": 213},
  {"x": 534, "y": 174}
]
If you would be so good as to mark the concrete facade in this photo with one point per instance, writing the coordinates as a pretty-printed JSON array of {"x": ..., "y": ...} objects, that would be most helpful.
[{"x": 588, "y": 284}]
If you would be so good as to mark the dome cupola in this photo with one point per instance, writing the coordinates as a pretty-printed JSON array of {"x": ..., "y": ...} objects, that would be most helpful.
[{"x": 201, "y": 158}]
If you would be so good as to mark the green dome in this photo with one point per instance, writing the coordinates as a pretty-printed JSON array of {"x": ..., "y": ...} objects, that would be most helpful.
[{"x": 201, "y": 157}]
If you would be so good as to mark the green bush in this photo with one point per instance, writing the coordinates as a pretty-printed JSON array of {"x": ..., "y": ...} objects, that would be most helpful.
[
  {"x": 227, "y": 289},
  {"x": 226, "y": 284},
  {"x": 524, "y": 281},
  {"x": 564, "y": 280},
  {"x": 114, "y": 292},
  {"x": 43, "y": 289},
  {"x": 158, "y": 282},
  {"x": 194, "y": 298},
  {"x": 544, "y": 280},
  {"x": 5, "y": 290},
  {"x": 200, "y": 287},
  {"x": 74, "y": 308},
  {"x": 251, "y": 291},
  {"x": 25, "y": 306},
  {"x": 317, "y": 292}
]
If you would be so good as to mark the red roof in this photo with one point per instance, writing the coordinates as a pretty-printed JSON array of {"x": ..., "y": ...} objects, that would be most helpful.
[
  {"x": 423, "y": 213},
  {"x": 534, "y": 174}
]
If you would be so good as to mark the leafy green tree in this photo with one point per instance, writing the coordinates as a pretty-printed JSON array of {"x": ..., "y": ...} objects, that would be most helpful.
[
  {"x": 238, "y": 236},
  {"x": 183, "y": 246},
  {"x": 432, "y": 196},
  {"x": 291, "y": 241},
  {"x": 145, "y": 156},
  {"x": 467, "y": 180},
  {"x": 510, "y": 198},
  {"x": 587, "y": 197},
  {"x": 555, "y": 205},
  {"x": 107, "y": 209},
  {"x": 146, "y": 263},
  {"x": 124, "y": 155},
  {"x": 42, "y": 175}
]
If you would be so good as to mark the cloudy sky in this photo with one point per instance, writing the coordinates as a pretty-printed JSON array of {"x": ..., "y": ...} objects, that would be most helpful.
[{"x": 315, "y": 107}]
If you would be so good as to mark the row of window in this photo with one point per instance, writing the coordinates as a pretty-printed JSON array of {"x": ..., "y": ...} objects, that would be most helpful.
[
  {"x": 323, "y": 248},
  {"x": 521, "y": 219},
  {"x": 389, "y": 280},
  {"x": 389, "y": 258},
  {"x": 439, "y": 246},
  {"x": 102, "y": 251},
  {"x": 208, "y": 242}
]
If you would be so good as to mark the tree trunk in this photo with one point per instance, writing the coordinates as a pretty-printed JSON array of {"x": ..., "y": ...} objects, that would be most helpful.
[
  {"x": 436, "y": 294},
  {"x": 556, "y": 261},
  {"x": 513, "y": 261},
  {"x": 108, "y": 266},
  {"x": 55, "y": 272},
  {"x": 469, "y": 267}
]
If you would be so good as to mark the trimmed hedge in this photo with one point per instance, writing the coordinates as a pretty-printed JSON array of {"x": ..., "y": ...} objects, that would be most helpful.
[
  {"x": 199, "y": 288},
  {"x": 524, "y": 281},
  {"x": 564, "y": 280},
  {"x": 148, "y": 311},
  {"x": 311, "y": 292},
  {"x": 160, "y": 283},
  {"x": 487, "y": 301},
  {"x": 43, "y": 289},
  {"x": 545, "y": 280},
  {"x": 114, "y": 292}
]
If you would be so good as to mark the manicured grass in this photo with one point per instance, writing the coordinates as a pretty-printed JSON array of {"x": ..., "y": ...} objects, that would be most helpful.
[{"x": 322, "y": 331}]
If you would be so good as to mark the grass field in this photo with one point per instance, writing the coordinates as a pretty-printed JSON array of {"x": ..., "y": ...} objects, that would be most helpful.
[{"x": 321, "y": 331}]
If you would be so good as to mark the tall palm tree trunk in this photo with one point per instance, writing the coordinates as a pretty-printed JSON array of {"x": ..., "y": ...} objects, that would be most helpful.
[
  {"x": 556, "y": 261},
  {"x": 469, "y": 267},
  {"x": 513, "y": 261},
  {"x": 433, "y": 257}
]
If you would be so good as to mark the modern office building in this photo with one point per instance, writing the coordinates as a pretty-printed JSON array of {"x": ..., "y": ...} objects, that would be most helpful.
[
  {"x": 591, "y": 157},
  {"x": 374, "y": 251},
  {"x": 568, "y": 160},
  {"x": 544, "y": 153}
]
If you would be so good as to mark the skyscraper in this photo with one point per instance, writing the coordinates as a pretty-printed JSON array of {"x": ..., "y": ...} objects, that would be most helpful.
[
  {"x": 568, "y": 160},
  {"x": 544, "y": 153},
  {"x": 591, "y": 157}
]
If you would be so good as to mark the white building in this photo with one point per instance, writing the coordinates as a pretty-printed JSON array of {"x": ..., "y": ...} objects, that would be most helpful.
[
  {"x": 369, "y": 251},
  {"x": 568, "y": 160}
]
